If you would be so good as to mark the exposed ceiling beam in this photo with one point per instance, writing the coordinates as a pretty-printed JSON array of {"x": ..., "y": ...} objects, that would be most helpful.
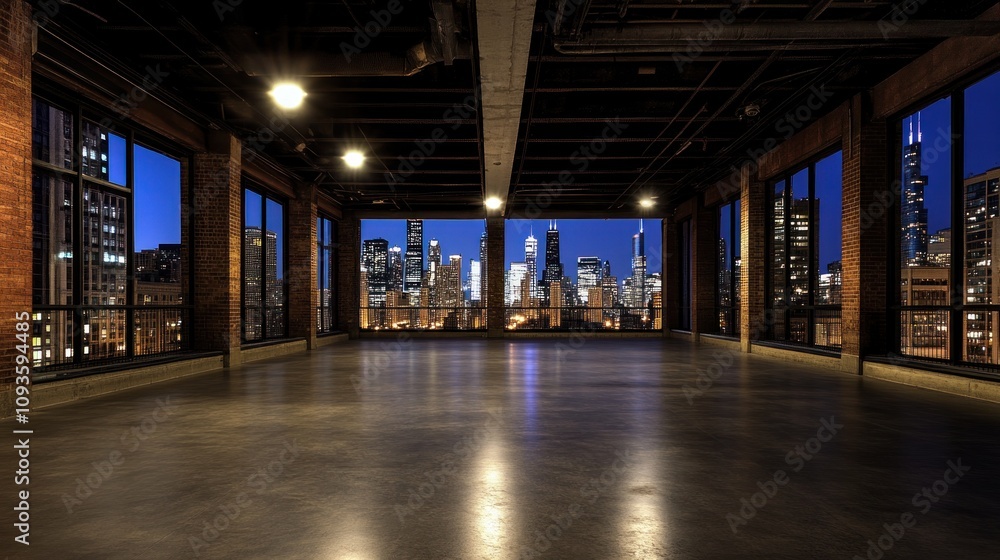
[{"x": 504, "y": 30}]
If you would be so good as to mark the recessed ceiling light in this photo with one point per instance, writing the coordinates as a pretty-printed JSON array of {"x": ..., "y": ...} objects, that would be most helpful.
[
  {"x": 354, "y": 159},
  {"x": 493, "y": 203},
  {"x": 288, "y": 95},
  {"x": 647, "y": 203}
]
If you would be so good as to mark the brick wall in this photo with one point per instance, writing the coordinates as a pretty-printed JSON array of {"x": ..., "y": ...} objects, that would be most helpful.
[
  {"x": 303, "y": 294},
  {"x": 866, "y": 225},
  {"x": 753, "y": 216},
  {"x": 216, "y": 211},
  {"x": 15, "y": 185},
  {"x": 495, "y": 276},
  {"x": 348, "y": 274}
]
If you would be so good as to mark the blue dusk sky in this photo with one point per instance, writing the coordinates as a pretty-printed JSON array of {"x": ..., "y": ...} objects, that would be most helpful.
[{"x": 608, "y": 239}]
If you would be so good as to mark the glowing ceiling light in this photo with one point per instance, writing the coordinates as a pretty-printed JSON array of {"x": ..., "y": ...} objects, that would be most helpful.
[
  {"x": 493, "y": 203},
  {"x": 288, "y": 95},
  {"x": 354, "y": 159},
  {"x": 647, "y": 203}
]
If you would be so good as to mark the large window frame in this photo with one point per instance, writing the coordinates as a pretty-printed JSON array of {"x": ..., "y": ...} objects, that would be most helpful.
[
  {"x": 85, "y": 320},
  {"x": 795, "y": 323},
  {"x": 956, "y": 311},
  {"x": 267, "y": 330},
  {"x": 327, "y": 249},
  {"x": 729, "y": 314}
]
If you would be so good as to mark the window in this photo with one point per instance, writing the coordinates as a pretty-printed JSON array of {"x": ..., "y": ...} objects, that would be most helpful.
[
  {"x": 583, "y": 275},
  {"x": 728, "y": 283},
  {"x": 326, "y": 274},
  {"x": 804, "y": 241},
  {"x": 87, "y": 276},
  {"x": 423, "y": 274},
  {"x": 925, "y": 232},
  {"x": 263, "y": 266}
]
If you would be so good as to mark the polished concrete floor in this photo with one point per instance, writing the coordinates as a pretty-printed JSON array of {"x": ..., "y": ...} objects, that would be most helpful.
[{"x": 474, "y": 449}]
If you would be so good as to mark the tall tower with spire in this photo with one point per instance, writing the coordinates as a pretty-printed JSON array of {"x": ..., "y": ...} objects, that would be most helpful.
[
  {"x": 637, "y": 294},
  {"x": 553, "y": 272},
  {"x": 913, "y": 212}
]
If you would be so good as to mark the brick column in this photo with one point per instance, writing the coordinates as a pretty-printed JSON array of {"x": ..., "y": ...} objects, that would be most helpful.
[
  {"x": 216, "y": 209},
  {"x": 495, "y": 276},
  {"x": 303, "y": 292},
  {"x": 349, "y": 274},
  {"x": 15, "y": 187},
  {"x": 753, "y": 229},
  {"x": 865, "y": 238},
  {"x": 669, "y": 272},
  {"x": 704, "y": 265}
]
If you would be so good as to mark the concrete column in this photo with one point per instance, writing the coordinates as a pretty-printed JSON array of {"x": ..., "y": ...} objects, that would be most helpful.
[
  {"x": 349, "y": 275},
  {"x": 15, "y": 189},
  {"x": 495, "y": 276},
  {"x": 704, "y": 265},
  {"x": 215, "y": 209},
  {"x": 303, "y": 292},
  {"x": 866, "y": 187},
  {"x": 753, "y": 231}
]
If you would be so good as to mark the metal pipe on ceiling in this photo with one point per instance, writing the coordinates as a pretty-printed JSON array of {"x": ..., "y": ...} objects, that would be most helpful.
[{"x": 659, "y": 37}]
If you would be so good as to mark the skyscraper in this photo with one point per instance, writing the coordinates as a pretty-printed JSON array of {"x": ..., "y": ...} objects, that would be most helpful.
[
  {"x": 376, "y": 260},
  {"x": 531, "y": 261},
  {"x": 914, "y": 214},
  {"x": 588, "y": 275},
  {"x": 553, "y": 265},
  {"x": 982, "y": 267},
  {"x": 433, "y": 262},
  {"x": 638, "y": 284},
  {"x": 395, "y": 280},
  {"x": 475, "y": 287},
  {"x": 483, "y": 286},
  {"x": 413, "y": 264},
  {"x": 512, "y": 286},
  {"x": 449, "y": 282}
]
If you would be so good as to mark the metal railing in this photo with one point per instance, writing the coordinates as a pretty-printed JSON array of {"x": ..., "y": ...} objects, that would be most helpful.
[
  {"x": 817, "y": 326},
  {"x": 64, "y": 337},
  {"x": 582, "y": 318},
  {"x": 375, "y": 318}
]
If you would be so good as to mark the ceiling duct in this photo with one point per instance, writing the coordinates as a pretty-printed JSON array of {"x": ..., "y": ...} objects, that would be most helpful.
[{"x": 445, "y": 44}]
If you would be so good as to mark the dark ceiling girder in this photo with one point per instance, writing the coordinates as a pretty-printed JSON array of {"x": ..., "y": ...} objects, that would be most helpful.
[{"x": 680, "y": 36}]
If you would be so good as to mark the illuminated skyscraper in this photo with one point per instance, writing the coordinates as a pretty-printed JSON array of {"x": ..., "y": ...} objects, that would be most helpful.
[
  {"x": 914, "y": 214},
  {"x": 531, "y": 261},
  {"x": 413, "y": 263},
  {"x": 483, "y": 286},
  {"x": 588, "y": 275},
  {"x": 638, "y": 284},
  {"x": 475, "y": 293},
  {"x": 376, "y": 261},
  {"x": 553, "y": 264},
  {"x": 395, "y": 281}
]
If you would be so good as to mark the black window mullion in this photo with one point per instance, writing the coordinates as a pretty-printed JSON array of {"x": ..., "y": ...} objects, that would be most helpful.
[
  {"x": 957, "y": 318},
  {"x": 130, "y": 245},
  {"x": 787, "y": 228},
  {"x": 812, "y": 278},
  {"x": 263, "y": 267}
]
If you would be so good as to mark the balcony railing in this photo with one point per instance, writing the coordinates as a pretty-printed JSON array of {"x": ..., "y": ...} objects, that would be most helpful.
[
  {"x": 582, "y": 318},
  {"x": 818, "y": 326},
  {"x": 927, "y": 333},
  {"x": 375, "y": 318},
  {"x": 65, "y": 337}
]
